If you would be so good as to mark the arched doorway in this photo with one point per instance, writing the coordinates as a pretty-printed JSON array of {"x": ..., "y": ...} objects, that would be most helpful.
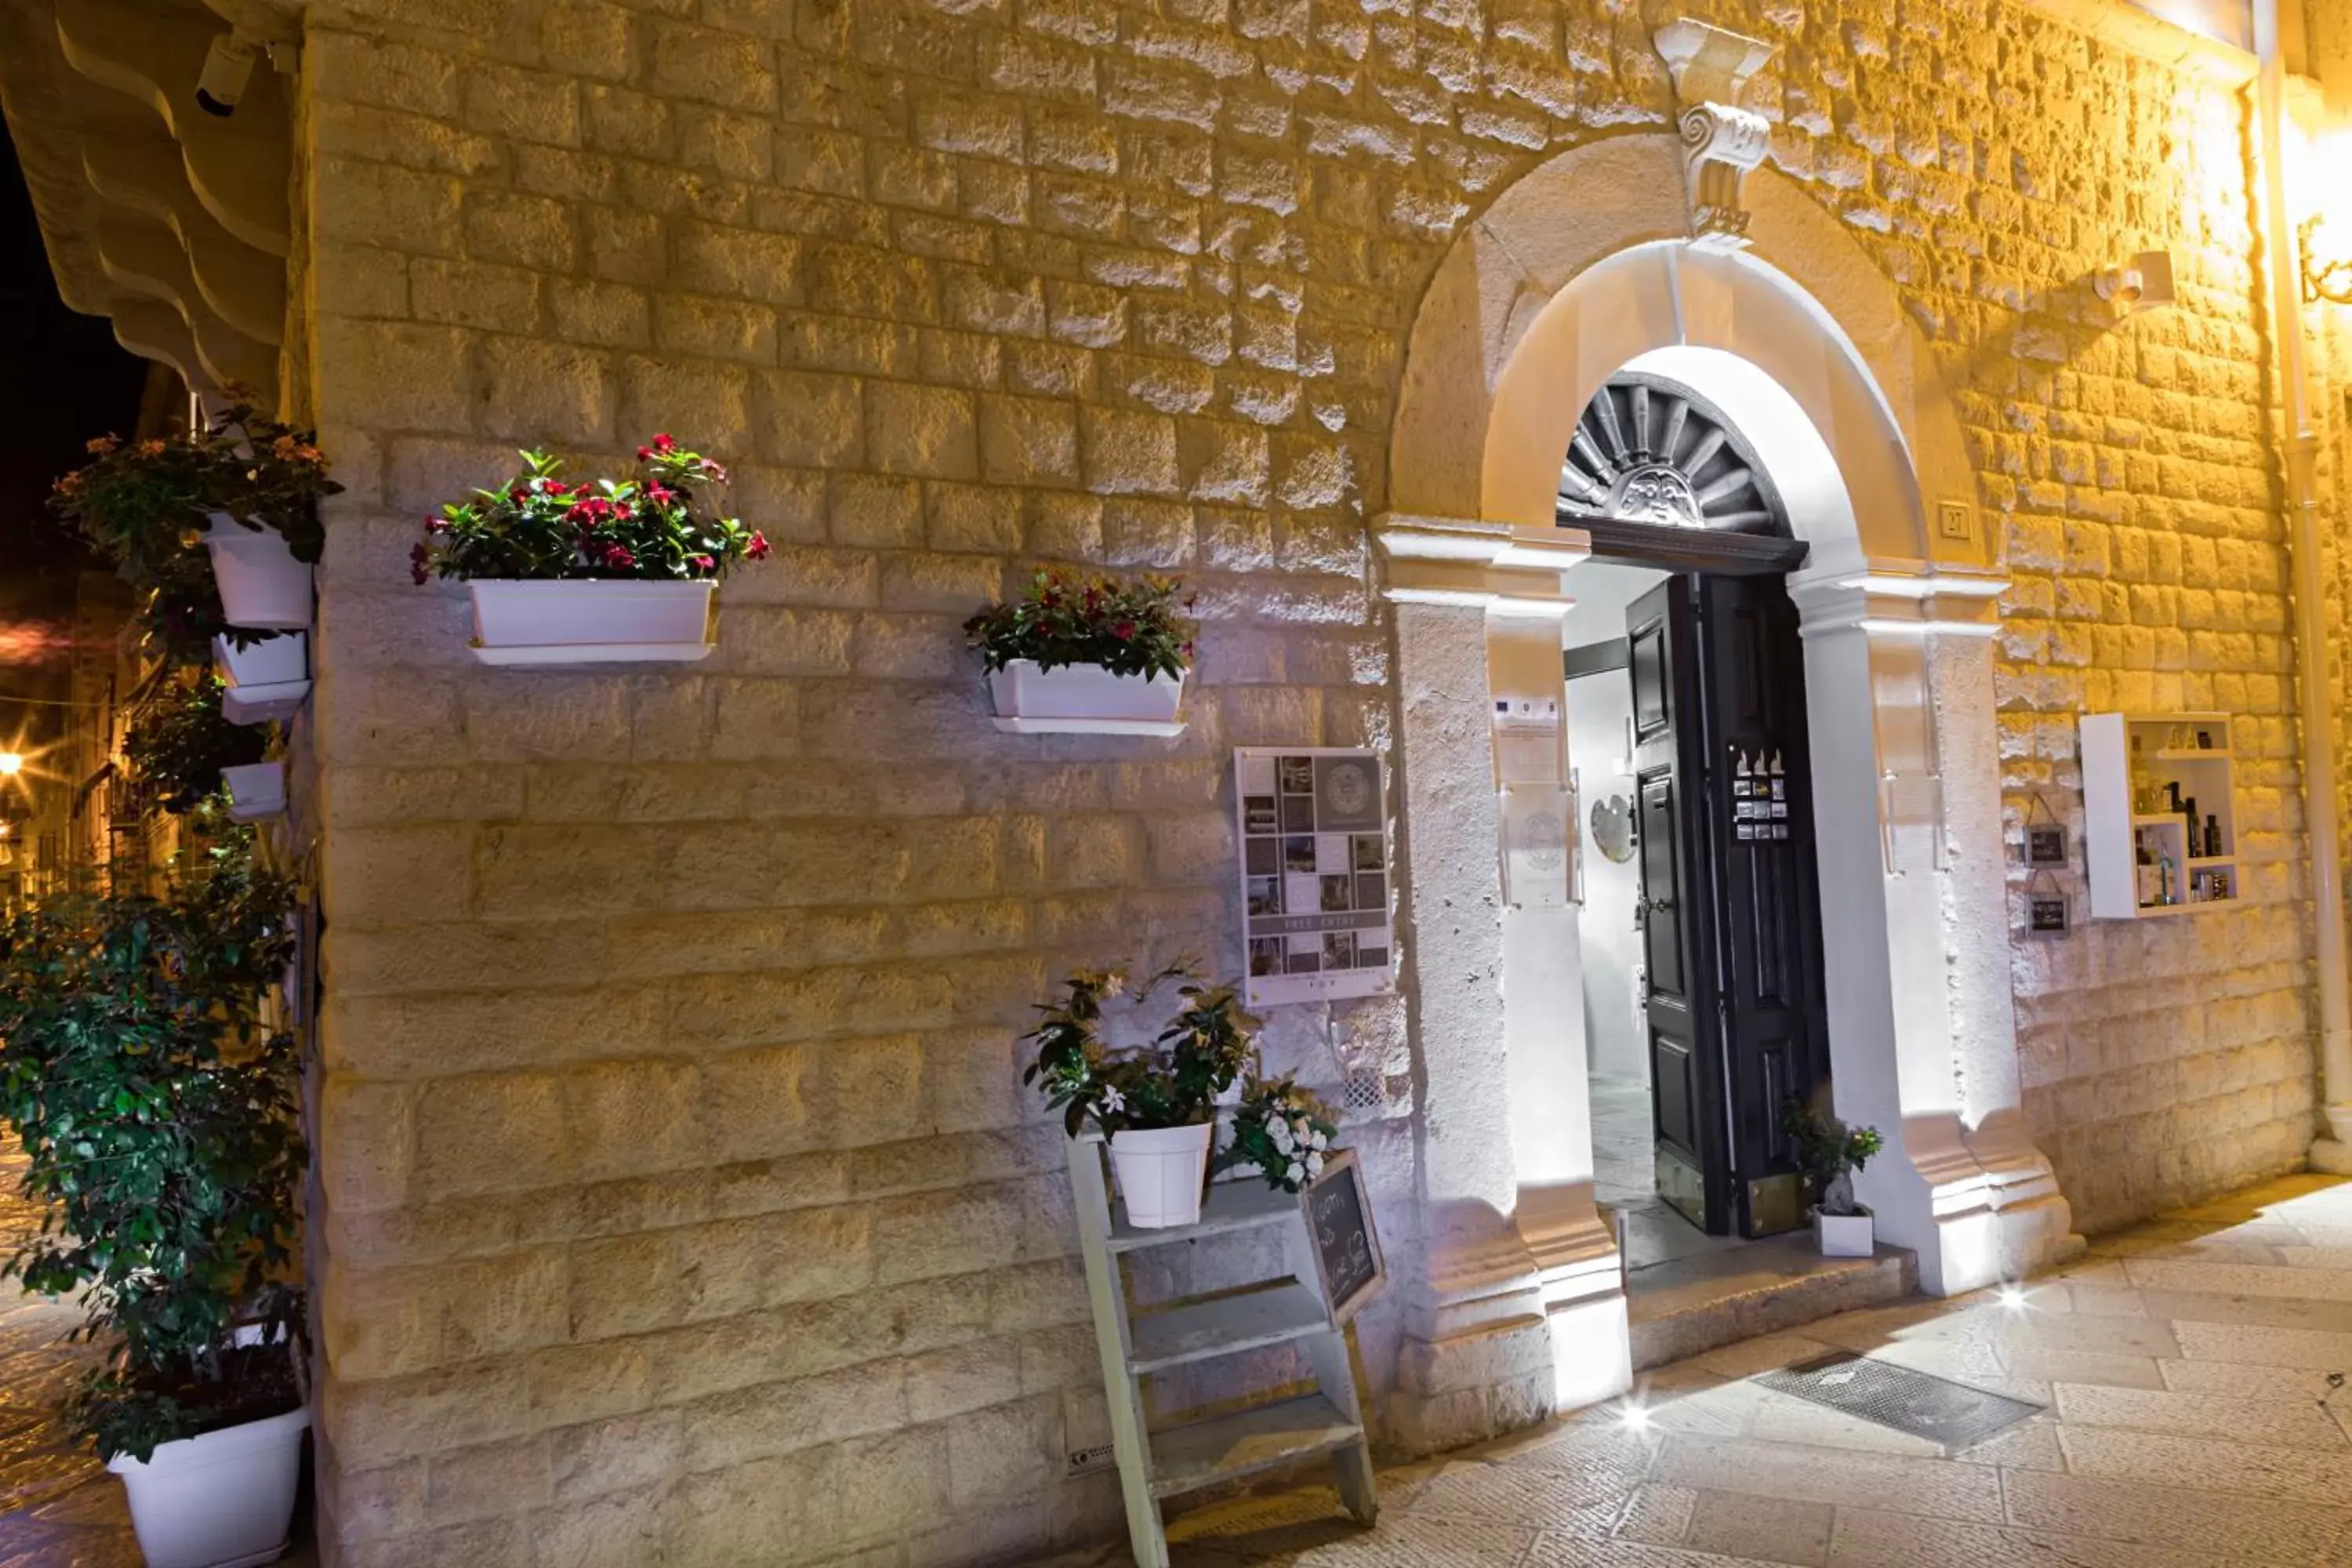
[{"x": 1578, "y": 274}]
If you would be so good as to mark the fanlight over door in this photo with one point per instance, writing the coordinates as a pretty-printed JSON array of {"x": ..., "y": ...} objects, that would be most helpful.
[{"x": 1656, "y": 474}]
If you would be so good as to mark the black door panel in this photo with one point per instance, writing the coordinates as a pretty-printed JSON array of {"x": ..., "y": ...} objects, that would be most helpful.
[{"x": 1730, "y": 893}]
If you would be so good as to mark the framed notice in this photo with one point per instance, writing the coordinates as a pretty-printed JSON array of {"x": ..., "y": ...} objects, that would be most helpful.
[
  {"x": 1315, "y": 874},
  {"x": 1348, "y": 1264}
]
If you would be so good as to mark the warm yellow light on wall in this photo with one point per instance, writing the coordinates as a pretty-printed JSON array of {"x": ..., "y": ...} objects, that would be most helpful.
[
  {"x": 11, "y": 764},
  {"x": 2326, "y": 234}
]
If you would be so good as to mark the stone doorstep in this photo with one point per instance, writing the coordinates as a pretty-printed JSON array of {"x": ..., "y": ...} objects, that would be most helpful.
[{"x": 1696, "y": 1304}]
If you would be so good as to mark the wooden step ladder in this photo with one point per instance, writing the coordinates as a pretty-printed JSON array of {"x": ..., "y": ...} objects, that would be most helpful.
[{"x": 1156, "y": 1464}]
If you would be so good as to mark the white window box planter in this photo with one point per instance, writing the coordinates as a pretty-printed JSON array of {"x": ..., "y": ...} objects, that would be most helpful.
[
  {"x": 221, "y": 1500},
  {"x": 590, "y": 620},
  {"x": 1843, "y": 1235},
  {"x": 255, "y": 791},
  {"x": 266, "y": 679},
  {"x": 262, "y": 586},
  {"x": 1084, "y": 699}
]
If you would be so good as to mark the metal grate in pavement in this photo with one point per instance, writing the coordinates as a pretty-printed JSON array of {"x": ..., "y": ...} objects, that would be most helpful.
[{"x": 1919, "y": 1403}]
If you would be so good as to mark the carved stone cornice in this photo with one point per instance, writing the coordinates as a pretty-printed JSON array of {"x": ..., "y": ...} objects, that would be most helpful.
[{"x": 1508, "y": 568}]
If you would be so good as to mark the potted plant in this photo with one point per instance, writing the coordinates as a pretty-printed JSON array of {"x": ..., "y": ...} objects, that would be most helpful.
[
  {"x": 1098, "y": 655},
  {"x": 566, "y": 574},
  {"x": 244, "y": 487},
  {"x": 1282, "y": 1129},
  {"x": 1156, "y": 1104},
  {"x": 184, "y": 748},
  {"x": 157, "y": 1111},
  {"x": 1831, "y": 1152}
]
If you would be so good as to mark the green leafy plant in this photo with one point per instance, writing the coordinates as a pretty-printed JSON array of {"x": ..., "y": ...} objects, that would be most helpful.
[
  {"x": 1831, "y": 1152},
  {"x": 145, "y": 504},
  {"x": 1282, "y": 1129},
  {"x": 180, "y": 741},
  {"x": 662, "y": 525},
  {"x": 157, "y": 1111},
  {"x": 1129, "y": 628},
  {"x": 1172, "y": 1082}
]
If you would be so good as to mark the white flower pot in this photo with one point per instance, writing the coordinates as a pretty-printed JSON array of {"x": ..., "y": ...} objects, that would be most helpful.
[
  {"x": 221, "y": 1500},
  {"x": 266, "y": 679},
  {"x": 255, "y": 791},
  {"x": 588, "y": 621},
  {"x": 1843, "y": 1235},
  {"x": 1084, "y": 698},
  {"x": 262, "y": 586},
  {"x": 1161, "y": 1172}
]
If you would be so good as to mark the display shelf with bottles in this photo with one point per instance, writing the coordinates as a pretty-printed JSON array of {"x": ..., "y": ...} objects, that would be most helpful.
[{"x": 2159, "y": 814}]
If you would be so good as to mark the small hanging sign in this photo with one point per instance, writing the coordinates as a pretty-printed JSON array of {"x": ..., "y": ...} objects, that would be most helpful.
[
  {"x": 2048, "y": 910},
  {"x": 2046, "y": 835}
]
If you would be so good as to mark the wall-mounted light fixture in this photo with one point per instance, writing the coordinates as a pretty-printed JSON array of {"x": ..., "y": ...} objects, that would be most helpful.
[
  {"x": 2326, "y": 262},
  {"x": 2142, "y": 284}
]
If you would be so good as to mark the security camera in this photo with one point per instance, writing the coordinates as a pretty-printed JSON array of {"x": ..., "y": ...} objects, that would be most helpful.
[{"x": 228, "y": 69}]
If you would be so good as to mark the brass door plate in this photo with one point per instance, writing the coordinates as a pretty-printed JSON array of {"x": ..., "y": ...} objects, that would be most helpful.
[
  {"x": 1681, "y": 1185},
  {"x": 1776, "y": 1204}
]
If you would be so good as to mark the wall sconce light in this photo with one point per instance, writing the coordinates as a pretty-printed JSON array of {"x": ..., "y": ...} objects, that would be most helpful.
[
  {"x": 2326, "y": 269},
  {"x": 2140, "y": 284}
]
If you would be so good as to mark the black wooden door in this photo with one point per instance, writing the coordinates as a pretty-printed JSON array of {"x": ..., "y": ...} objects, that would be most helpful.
[{"x": 1730, "y": 904}]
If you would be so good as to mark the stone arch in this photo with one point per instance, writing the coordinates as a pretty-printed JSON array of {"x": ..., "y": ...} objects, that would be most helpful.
[{"x": 1581, "y": 268}]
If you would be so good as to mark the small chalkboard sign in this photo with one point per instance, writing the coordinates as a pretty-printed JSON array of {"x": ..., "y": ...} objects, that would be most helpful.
[{"x": 1340, "y": 1232}]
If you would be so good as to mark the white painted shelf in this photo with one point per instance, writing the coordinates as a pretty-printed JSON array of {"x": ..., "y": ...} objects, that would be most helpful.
[
  {"x": 1226, "y": 1325},
  {"x": 2127, "y": 755},
  {"x": 1284, "y": 1310},
  {"x": 1090, "y": 726}
]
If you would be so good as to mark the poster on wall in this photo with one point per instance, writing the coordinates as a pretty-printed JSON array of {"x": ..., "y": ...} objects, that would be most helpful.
[{"x": 1315, "y": 874}]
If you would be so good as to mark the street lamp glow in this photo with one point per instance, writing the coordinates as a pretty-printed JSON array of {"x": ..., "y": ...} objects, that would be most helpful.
[{"x": 11, "y": 764}]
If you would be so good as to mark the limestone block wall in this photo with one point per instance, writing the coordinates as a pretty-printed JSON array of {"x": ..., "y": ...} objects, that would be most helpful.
[{"x": 680, "y": 1202}]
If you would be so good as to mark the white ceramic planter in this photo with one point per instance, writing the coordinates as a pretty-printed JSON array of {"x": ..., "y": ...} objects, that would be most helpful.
[
  {"x": 1843, "y": 1235},
  {"x": 255, "y": 791},
  {"x": 1161, "y": 1172},
  {"x": 266, "y": 679},
  {"x": 590, "y": 620},
  {"x": 262, "y": 586},
  {"x": 221, "y": 1500},
  {"x": 1084, "y": 699}
]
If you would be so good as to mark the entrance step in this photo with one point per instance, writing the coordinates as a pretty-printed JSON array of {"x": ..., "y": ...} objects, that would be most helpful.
[{"x": 1694, "y": 1304}]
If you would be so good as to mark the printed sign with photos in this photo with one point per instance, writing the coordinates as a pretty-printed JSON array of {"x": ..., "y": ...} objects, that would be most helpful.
[{"x": 1315, "y": 874}]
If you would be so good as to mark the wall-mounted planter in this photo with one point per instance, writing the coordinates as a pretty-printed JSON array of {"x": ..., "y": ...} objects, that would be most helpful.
[
  {"x": 262, "y": 586},
  {"x": 266, "y": 679},
  {"x": 590, "y": 620},
  {"x": 1084, "y": 699},
  {"x": 255, "y": 791},
  {"x": 225, "y": 1499}
]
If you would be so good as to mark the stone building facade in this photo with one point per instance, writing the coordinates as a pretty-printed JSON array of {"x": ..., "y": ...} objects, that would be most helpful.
[{"x": 678, "y": 1198}]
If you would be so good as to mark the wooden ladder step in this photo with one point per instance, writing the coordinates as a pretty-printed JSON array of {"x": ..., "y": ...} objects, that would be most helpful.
[
  {"x": 1230, "y": 1207},
  {"x": 1223, "y": 1325},
  {"x": 1185, "y": 1458}
]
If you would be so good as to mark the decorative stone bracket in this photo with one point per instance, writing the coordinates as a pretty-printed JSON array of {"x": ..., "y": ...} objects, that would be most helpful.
[{"x": 1721, "y": 143}]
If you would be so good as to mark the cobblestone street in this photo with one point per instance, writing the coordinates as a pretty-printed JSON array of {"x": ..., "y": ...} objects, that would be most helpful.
[
  {"x": 2186, "y": 1365},
  {"x": 58, "y": 1508}
]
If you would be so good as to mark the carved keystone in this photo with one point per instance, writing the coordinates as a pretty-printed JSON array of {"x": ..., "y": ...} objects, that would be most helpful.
[{"x": 1721, "y": 143}]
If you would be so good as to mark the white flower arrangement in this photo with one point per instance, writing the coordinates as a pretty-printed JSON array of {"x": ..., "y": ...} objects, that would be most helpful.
[{"x": 1282, "y": 1129}]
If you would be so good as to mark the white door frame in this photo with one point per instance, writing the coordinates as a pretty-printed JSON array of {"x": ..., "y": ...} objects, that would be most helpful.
[{"x": 1578, "y": 270}]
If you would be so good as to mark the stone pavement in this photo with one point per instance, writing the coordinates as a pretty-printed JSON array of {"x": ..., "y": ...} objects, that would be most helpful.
[
  {"x": 58, "y": 1508},
  {"x": 2191, "y": 1367}
]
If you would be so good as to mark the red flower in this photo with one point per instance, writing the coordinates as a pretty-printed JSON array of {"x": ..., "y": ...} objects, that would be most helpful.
[
  {"x": 618, "y": 558},
  {"x": 661, "y": 494},
  {"x": 416, "y": 563},
  {"x": 758, "y": 549},
  {"x": 715, "y": 474},
  {"x": 517, "y": 490},
  {"x": 664, "y": 443},
  {"x": 436, "y": 525},
  {"x": 644, "y": 453},
  {"x": 702, "y": 562},
  {"x": 1124, "y": 630}
]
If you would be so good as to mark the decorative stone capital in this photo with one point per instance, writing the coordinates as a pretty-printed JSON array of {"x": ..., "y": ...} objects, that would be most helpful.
[{"x": 1721, "y": 143}]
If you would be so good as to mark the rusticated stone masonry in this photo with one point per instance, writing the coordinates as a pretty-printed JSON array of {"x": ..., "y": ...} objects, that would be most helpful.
[{"x": 680, "y": 1201}]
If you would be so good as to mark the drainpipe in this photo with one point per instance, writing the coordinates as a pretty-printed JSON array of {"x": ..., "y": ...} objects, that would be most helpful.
[{"x": 2311, "y": 691}]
